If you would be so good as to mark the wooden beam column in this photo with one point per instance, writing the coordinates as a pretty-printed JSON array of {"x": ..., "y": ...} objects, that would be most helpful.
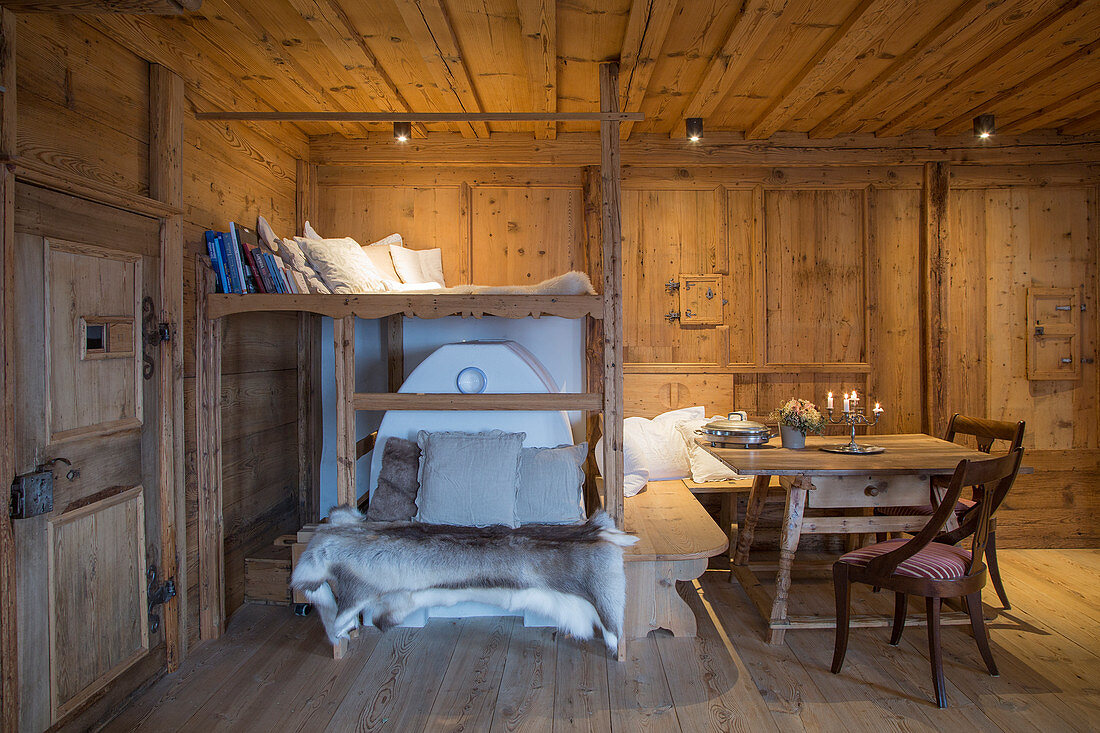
[
  {"x": 593, "y": 334},
  {"x": 208, "y": 444},
  {"x": 933, "y": 240},
  {"x": 611, "y": 234},
  {"x": 166, "y": 185},
  {"x": 9, "y": 679},
  {"x": 343, "y": 337},
  {"x": 310, "y": 418}
]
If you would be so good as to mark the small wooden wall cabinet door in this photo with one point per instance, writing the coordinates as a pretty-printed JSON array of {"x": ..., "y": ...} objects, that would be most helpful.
[
  {"x": 701, "y": 300},
  {"x": 1053, "y": 344}
]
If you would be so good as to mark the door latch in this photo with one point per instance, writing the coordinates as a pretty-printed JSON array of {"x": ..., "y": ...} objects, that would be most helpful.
[
  {"x": 153, "y": 333},
  {"x": 159, "y": 594},
  {"x": 32, "y": 493}
]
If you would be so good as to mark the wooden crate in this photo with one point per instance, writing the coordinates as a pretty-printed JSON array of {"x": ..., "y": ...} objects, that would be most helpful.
[{"x": 267, "y": 576}]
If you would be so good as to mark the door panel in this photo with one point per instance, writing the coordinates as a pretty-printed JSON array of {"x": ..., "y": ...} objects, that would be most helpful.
[
  {"x": 97, "y": 595},
  {"x": 80, "y": 396}
]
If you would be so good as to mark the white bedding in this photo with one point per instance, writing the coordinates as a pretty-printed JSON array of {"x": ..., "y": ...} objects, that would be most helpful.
[{"x": 571, "y": 283}]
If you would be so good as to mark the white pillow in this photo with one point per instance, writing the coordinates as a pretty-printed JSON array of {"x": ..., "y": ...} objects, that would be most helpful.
[
  {"x": 704, "y": 466},
  {"x": 635, "y": 470},
  {"x": 665, "y": 451},
  {"x": 291, "y": 254},
  {"x": 416, "y": 266},
  {"x": 309, "y": 232},
  {"x": 344, "y": 265},
  {"x": 379, "y": 254}
]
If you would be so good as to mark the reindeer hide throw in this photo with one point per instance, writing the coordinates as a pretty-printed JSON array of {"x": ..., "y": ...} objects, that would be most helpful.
[{"x": 383, "y": 571}]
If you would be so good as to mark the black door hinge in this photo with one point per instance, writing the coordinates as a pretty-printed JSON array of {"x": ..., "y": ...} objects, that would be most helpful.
[{"x": 159, "y": 594}]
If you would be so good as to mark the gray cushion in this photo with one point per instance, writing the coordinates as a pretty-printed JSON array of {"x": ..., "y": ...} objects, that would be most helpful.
[
  {"x": 550, "y": 482},
  {"x": 468, "y": 479},
  {"x": 394, "y": 499}
]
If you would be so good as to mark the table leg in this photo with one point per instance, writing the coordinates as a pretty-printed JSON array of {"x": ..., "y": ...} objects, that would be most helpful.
[
  {"x": 745, "y": 530},
  {"x": 939, "y": 491},
  {"x": 788, "y": 544}
]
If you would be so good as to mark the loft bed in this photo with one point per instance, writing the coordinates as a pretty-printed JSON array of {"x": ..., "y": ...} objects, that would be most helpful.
[
  {"x": 659, "y": 516},
  {"x": 602, "y": 355}
]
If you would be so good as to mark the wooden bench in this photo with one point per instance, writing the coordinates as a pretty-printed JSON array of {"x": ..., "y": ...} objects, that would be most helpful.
[{"x": 676, "y": 537}]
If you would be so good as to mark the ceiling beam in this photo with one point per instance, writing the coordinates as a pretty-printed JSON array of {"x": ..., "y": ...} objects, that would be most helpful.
[
  {"x": 646, "y": 30},
  {"x": 901, "y": 121},
  {"x": 864, "y": 24},
  {"x": 900, "y": 69},
  {"x": 1065, "y": 108},
  {"x": 538, "y": 23},
  {"x": 963, "y": 120},
  {"x": 337, "y": 31},
  {"x": 1082, "y": 125},
  {"x": 130, "y": 7},
  {"x": 425, "y": 116},
  {"x": 432, "y": 33},
  {"x": 751, "y": 27}
]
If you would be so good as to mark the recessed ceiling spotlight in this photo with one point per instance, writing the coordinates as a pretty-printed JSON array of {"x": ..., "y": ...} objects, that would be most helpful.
[
  {"x": 402, "y": 131},
  {"x": 984, "y": 126},
  {"x": 694, "y": 126}
]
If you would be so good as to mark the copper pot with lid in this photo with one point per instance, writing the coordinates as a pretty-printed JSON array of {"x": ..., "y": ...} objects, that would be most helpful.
[{"x": 736, "y": 431}]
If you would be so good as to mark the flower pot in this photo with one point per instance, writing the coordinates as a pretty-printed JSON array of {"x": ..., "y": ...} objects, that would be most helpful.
[{"x": 792, "y": 437}]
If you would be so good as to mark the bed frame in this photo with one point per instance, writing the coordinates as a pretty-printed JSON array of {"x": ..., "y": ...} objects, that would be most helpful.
[{"x": 603, "y": 357}]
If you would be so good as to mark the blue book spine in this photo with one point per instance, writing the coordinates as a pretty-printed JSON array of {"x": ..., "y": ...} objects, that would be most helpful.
[
  {"x": 216, "y": 260},
  {"x": 273, "y": 267},
  {"x": 232, "y": 266},
  {"x": 246, "y": 270}
]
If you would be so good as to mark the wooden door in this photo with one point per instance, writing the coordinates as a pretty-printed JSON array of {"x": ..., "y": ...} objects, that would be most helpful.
[{"x": 83, "y": 394}]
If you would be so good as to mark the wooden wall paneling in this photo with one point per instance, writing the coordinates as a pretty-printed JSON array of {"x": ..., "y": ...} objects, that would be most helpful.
[
  {"x": 9, "y": 648},
  {"x": 894, "y": 317},
  {"x": 648, "y": 395},
  {"x": 210, "y": 534},
  {"x": 814, "y": 268},
  {"x": 933, "y": 244},
  {"x": 425, "y": 217},
  {"x": 611, "y": 231},
  {"x": 166, "y": 102},
  {"x": 524, "y": 235}
]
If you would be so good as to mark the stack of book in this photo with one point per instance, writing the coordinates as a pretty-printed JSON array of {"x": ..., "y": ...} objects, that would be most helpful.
[{"x": 243, "y": 266}]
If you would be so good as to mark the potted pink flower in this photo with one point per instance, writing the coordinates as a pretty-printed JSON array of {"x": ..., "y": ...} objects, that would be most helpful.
[{"x": 796, "y": 418}]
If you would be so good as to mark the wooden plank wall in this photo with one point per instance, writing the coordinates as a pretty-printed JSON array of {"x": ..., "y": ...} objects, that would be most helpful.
[
  {"x": 84, "y": 112},
  {"x": 822, "y": 274}
]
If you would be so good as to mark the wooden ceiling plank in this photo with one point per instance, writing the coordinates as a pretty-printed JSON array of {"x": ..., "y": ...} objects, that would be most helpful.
[
  {"x": 205, "y": 76},
  {"x": 331, "y": 23},
  {"x": 844, "y": 116},
  {"x": 1082, "y": 125},
  {"x": 962, "y": 121},
  {"x": 862, "y": 26},
  {"x": 750, "y": 29},
  {"x": 127, "y": 7},
  {"x": 900, "y": 121},
  {"x": 646, "y": 31},
  {"x": 1062, "y": 109},
  {"x": 538, "y": 21},
  {"x": 272, "y": 45},
  {"x": 431, "y": 31}
]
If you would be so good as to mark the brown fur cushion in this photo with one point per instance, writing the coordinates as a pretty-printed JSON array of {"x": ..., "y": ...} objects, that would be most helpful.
[{"x": 395, "y": 498}]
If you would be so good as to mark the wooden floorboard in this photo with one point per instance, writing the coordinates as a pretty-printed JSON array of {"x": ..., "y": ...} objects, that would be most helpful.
[{"x": 274, "y": 671}]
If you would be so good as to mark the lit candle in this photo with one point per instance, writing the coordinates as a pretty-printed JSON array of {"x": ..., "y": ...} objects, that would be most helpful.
[
  {"x": 846, "y": 405},
  {"x": 878, "y": 408},
  {"x": 854, "y": 398},
  {"x": 829, "y": 401}
]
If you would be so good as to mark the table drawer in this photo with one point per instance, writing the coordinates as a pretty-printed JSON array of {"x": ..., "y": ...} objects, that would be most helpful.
[{"x": 831, "y": 492}]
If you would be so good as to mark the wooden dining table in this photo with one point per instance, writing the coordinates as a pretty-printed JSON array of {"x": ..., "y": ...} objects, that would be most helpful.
[{"x": 902, "y": 475}]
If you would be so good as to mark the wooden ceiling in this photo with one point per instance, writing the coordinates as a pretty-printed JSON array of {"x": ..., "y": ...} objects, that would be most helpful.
[{"x": 822, "y": 67}]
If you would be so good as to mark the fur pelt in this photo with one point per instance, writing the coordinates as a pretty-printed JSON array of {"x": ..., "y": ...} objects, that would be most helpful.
[{"x": 383, "y": 571}]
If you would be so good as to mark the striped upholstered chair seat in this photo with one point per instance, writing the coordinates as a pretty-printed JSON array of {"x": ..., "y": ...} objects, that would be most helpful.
[
  {"x": 961, "y": 507},
  {"x": 935, "y": 561}
]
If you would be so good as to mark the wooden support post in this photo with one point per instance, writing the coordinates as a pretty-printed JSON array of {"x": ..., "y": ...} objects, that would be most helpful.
[
  {"x": 9, "y": 651},
  {"x": 208, "y": 443},
  {"x": 611, "y": 234},
  {"x": 166, "y": 184},
  {"x": 343, "y": 337},
  {"x": 310, "y": 416},
  {"x": 933, "y": 288},
  {"x": 395, "y": 350},
  {"x": 593, "y": 331}
]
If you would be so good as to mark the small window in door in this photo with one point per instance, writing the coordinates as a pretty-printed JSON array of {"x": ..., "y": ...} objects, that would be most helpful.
[{"x": 106, "y": 337}]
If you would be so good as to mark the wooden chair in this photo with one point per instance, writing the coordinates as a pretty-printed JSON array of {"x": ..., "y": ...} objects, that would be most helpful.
[
  {"x": 985, "y": 433},
  {"x": 931, "y": 565}
]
